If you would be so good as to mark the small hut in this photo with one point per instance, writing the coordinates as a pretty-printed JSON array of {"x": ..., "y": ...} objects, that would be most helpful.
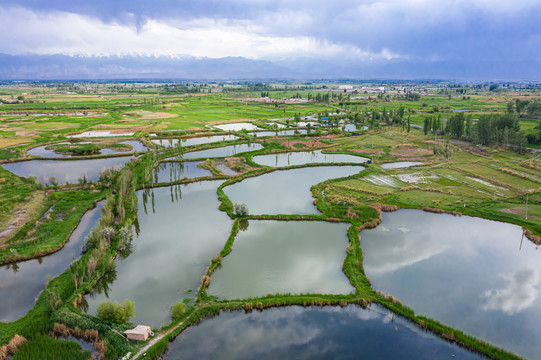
[{"x": 140, "y": 333}]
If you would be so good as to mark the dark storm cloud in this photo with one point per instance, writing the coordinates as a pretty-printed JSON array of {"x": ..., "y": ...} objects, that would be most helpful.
[{"x": 368, "y": 30}]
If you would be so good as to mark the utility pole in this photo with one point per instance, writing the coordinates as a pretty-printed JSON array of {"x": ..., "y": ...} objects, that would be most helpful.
[{"x": 526, "y": 214}]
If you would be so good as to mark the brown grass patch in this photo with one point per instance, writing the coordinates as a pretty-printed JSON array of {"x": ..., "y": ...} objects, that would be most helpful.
[
  {"x": 20, "y": 216},
  {"x": 340, "y": 199},
  {"x": 375, "y": 152},
  {"x": 150, "y": 115},
  {"x": 533, "y": 238},
  {"x": 90, "y": 335},
  {"x": 26, "y": 133},
  {"x": 439, "y": 211},
  {"x": 370, "y": 224},
  {"x": 521, "y": 211},
  {"x": 409, "y": 151},
  {"x": 474, "y": 150},
  {"x": 4, "y": 352},
  {"x": 514, "y": 173},
  {"x": 10, "y": 141},
  {"x": 14, "y": 344},
  {"x": 350, "y": 213},
  {"x": 383, "y": 207}
]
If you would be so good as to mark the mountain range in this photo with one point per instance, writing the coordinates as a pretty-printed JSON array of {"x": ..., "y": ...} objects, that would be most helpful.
[{"x": 48, "y": 67}]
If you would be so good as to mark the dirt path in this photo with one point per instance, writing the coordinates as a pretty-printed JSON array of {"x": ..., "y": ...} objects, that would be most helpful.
[
  {"x": 158, "y": 337},
  {"x": 20, "y": 216},
  {"x": 154, "y": 340}
]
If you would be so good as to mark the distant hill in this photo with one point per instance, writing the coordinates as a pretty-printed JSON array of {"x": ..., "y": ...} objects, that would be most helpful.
[{"x": 191, "y": 68}]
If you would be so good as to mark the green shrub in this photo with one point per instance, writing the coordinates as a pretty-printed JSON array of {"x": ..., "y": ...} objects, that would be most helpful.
[
  {"x": 115, "y": 312},
  {"x": 178, "y": 309},
  {"x": 241, "y": 209}
]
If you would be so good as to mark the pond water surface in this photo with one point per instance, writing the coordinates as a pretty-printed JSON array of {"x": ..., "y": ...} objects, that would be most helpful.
[
  {"x": 472, "y": 274},
  {"x": 279, "y": 133},
  {"x": 400, "y": 164},
  {"x": 180, "y": 231},
  {"x": 350, "y": 127},
  {"x": 175, "y": 171},
  {"x": 311, "y": 333},
  {"x": 285, "y": 191},
  {"x": 21, "y": 282},
  {"x": 224, "y": 169},
  {"x": 65, "y": 170},
  {"x": 284, "y": 257},
  {"x": 222, "y": 151},
  {"x": 136, "y": 146},
  {"x": 194, "y": 140},
  {"x": 306, "y": 157},
  {"x": 237, "y": 126},
  {"x": 307, "y": 123},
  {"x": 99, "y": 133},
  {"x": 42, "y": 151}
]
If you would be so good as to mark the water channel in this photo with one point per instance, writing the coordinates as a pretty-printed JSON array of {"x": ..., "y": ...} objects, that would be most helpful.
[
  {"x": 181, "y": 229},
  {"x": 25, "y": 279}
]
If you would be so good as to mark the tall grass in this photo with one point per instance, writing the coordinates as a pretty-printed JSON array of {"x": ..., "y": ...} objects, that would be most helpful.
[{"x": 43, "y": 347}]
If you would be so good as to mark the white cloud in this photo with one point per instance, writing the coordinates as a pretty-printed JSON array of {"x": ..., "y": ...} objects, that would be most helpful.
[
  {"x": 56, "y": 32},
  {"x": 520, "y": 293}
]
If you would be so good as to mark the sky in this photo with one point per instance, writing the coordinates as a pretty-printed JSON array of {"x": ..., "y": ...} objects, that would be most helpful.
[{"x": 365, "y": 31}]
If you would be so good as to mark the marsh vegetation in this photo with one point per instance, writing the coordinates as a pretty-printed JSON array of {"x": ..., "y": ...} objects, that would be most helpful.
[{"x": 215, "y": 218}]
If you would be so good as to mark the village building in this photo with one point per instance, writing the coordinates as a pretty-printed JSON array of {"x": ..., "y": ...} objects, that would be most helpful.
[{"x": 139, "y": 333}]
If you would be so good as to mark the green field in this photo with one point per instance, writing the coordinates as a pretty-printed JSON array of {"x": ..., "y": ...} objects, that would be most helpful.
[{"x": 455, "y": 176}]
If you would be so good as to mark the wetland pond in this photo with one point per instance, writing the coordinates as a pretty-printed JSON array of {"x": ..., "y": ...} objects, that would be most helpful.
[
  {"x": 306, "y": 157},
  {"x": 473, "y": 274},
  {"x": 194, "y": 140},
  {"x": 285, "y": 191},
  {"x": 224, "y": 151},
  {"x": 44, "y": 152},
  {"x": 279, "y": 133},
  {"x": 295, "y": 332},
  {"x": 176, "y": 171},
  {"x": 284, "y": 257},
  {"x": 237, "y": 126},
  {"x": 65, "y": 170},
  {"x": 400, "y": 164},
  {"x": 136, "y": 146},
  {"x": 100, "y": 133},
  {"x": 181, "y": 229},
  {"x": 25, "y": 279}
]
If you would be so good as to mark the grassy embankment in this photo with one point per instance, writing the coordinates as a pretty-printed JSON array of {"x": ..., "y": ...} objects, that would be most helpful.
[
  {"x": 360, "y": 215},
  {"x": 63, "y": 295},
  {"x": 336, "y": 204}
]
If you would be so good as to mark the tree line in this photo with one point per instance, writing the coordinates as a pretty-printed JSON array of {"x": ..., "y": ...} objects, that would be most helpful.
[{"x": 494, "y": 129}]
